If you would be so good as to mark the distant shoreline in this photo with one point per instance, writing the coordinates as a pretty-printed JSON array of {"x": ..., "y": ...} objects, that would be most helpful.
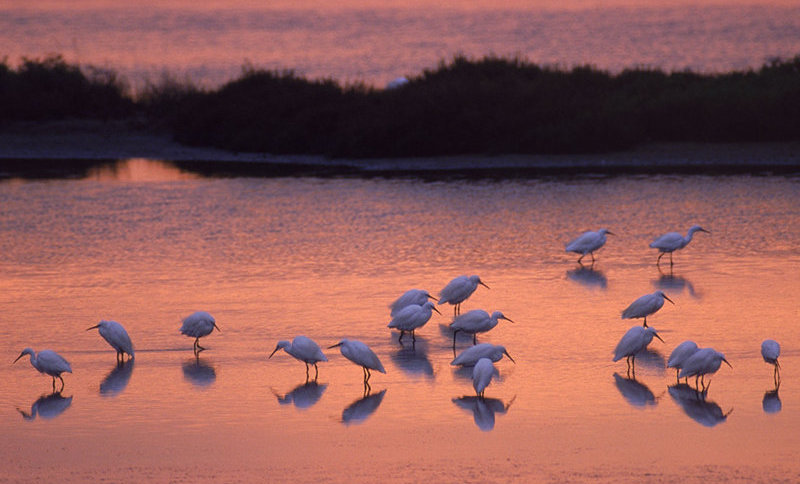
[{"x": 29, "y": 146}]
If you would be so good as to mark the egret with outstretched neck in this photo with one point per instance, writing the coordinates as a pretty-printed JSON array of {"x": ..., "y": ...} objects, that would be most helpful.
[
  {"x": 117, "y": 337},
  {"x": 303, "y": 349},
  {"x": 412, "y": 317},
  {"x": 458, "y": 290},
  {"x": 645, "y": 306},
  {"x": 197, "y": 325},
  {"x": 474, "y": 322},
  {"x": 672, "y": 241},
  {"x": 48, "y": 362},
  {"x": 471, "y": 355},
  {"x": 588, "y": 242}
]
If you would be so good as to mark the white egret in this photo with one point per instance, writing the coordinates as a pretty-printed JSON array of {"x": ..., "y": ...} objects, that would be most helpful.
[
  {"x": 458, "y": 290},
  {"x": 360, "y": 354},
  {"x": 703, "y": 362},
  {"x": 770, "y": 350},
  {"x": 303, "y": 349},
  {"x": 412, "y": 317},
  {"x": 471, "y": 355},
  {"x": 116, "y": 336},
  {"x": 680, "y": 354},
  {"x": 672, "y": 241},
  {"x": 48, "y": 362},
  {"x": 197, "y": 325},
  {"x": 633, "y": 341},
  {"x": 412, "y": 296},
  {"x": 588, "y": 242},
  {"x": 645, "y": 306},
  {"x": 482, "y": 375},
  {"x": 474, "y": 322}
]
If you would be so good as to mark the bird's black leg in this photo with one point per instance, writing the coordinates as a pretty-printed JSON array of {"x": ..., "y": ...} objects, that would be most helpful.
[
  {"x": 306, "y": 371},
  {"x": 677, "y": 372},
  {"x": 316, "y": 372},
  {"x": 413, "y": 337},
  {"x": 474, "y": 338},
  {"x": 580, "y": 258},
  {"x": 592, "y": 254},
  {"x": 455, "y": 332},
  {"x": 645, "y": 322},
  {"x": 54, "y": 384},
  {"x": 62, "y": 382},
  {"x": 670, "y": 260},
  {"x": 400, "y": 339}
]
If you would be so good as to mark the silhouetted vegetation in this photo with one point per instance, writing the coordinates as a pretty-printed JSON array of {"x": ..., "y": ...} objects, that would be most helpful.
[{"x": 490, "y": 105}]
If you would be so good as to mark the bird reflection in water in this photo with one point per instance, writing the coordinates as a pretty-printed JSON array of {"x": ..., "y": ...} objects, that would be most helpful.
[
  {"x": 47, "y": 407},
  {"x": 413, "y": 360},
  {"x": 772, "y": 402},
  {"x": 588, "y": 277},
  {"x": 361, "y": 409},
  {"x": 668, "y": 281},
  {"x": 634, "y": 392},
  {"x": 117, "y": 379},
  {"x": 483, "y": 409},
  {"x": 695, "y": 405},
  {"x": 198, "y": 372},
  {"x": 304, "y": 395}
]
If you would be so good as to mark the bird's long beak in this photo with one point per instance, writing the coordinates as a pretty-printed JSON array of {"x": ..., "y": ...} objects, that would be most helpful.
[
  {"x": 726, "y": 362},
  {"x": 610, "y": 233},
  {"x": 436, "y": 310},
  {"x": 273, "y": 352},
  {"x": 509, "y": 357},
  {"x": 484, "y": 285},
  {"x": 431, "y": 297},
  {"x": 215, "y": 325},
  {"x": 659, "y": 337},
  {"x": 93, "y": 327},
  {"x": 334, "y": 346},
  {"x": 668, "y": 299},
  {"x": 18, "y": 357},
  {"x": 507, "y": 319},
  {"x": 706, "y": 231}
]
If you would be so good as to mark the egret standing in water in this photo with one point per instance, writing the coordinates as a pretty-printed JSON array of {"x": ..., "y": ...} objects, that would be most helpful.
[
  {"x": 197, "y": 325},
  {"x": 588, "y": 242},
  {"x": 360, "y": 354},
  {"x": 471, "y": 355},
  {"x": 303, "y": 349},
  {"x": 770, "y": 350},
  {"x": 633, "y": 341},
  {"x": 672, "y": 241},
  {"x": 117, "y": 337},
  {"x": 48, "y": 362},
  {"x": 703, "y": 362},
  {"x": 458, "y": 290},
  {"x": 412, "y": 296},
  {"x": 645, "y": 306},
  {"x": 482, "y": 375},
  {"x": 412, "y": 317},
  {"x": 680, "y": 354},
  {"x": 474, "y": 322}
]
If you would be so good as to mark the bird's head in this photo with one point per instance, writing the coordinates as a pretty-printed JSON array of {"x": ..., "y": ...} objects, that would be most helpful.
[
  {"x": 281, "y": 344},
  {"x": 697, "y": 228},
  {"x": 98, "y": 325},
  {"x": 653, "y": 332},
  {"x": 26, "y": 351},
  {"x": 606, "y": 232},
  {"x": 661, "y": 293},
  {"x": 340, "y": 343},
  {"x": 500, "y": 315},
  {"x": 722, "y": 357},
  {"x": 477, "y": 280},
  {"x": 509, "y": 356}
]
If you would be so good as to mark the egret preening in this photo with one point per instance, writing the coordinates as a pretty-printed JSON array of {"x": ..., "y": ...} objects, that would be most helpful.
[
  {"x": 117, "y": 337},
  {"x": 361, "y": 355},
  {"x": 197, "y": 325},
  {"x": 633, "y": 341},
  {"x": 680, "y": 354},
  {"x": 458, "y": 290},
  {"x": 474, "y": 322},
  {"x": 471, "y": 355},
  {"x": 412, "y": 296},
  {"x": 303, "y": 349},
  {"x": 588, "y": 242},
  {"x": 703, "y": 362},
  {"x": 672, "y": 241},
  {"x": 412, "y": 317},
  {"x": 482, "y": 375},
  {"x": 48, "y": 362},
  {"x": 770, "y": 350},
  {"x": 645, "y": 306}
]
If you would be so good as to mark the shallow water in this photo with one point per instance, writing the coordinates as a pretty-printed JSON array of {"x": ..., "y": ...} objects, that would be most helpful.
[
  {"x": 376, "y": 41},
  {"x": 146, "y": 244}
]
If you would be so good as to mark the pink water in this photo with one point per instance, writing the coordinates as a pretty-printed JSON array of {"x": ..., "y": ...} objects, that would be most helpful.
[{"x": 146, "y": 244}]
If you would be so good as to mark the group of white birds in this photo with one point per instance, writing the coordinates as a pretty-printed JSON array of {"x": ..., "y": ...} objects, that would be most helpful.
[{"x": 414, "y": 308}]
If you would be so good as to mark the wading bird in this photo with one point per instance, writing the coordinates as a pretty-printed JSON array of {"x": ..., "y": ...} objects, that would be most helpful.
[
  {"x": 458, "y": 290},
  {"x": 474, "y": 322},
  {"x": 680, "y": 354},
  {"x": 645, "y": 306},
  {"x": 471, "y": 355},
  {"x": 117, "y": 337},
  {"x": 770, "y": 350},
  {"x": 197, "y": 325},
  {"x": 703, "y": 362},
  {"x": 482, "y": 375},
  {"x": 588, "y": 242},
  {"x": 48, "y": 362},
  {"x": 303, "y": 349},
  {"x": 412, "y": 296},
  {"x": 633, "y": 341},
  {"x": 360, "y": 354},
  {"x": 412, "y": 317},
  {"x": 672, "y": 241}
]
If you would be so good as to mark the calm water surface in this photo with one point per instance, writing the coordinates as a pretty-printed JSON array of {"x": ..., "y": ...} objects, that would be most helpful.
[{"x": 146, "y": 244}]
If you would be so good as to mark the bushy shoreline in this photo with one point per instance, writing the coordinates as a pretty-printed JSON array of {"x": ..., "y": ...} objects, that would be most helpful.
[{"x": 485, "y": 106}]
